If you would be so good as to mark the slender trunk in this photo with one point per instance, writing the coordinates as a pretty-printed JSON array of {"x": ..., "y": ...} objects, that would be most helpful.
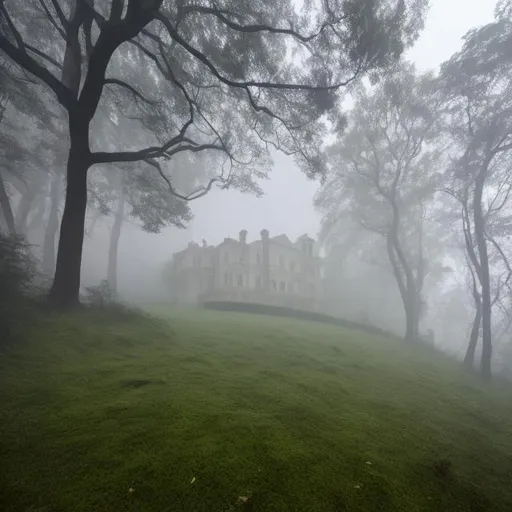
[
  {"x": 479, "y": 222},
  {"x": 5, "y": 204},
  {"x": 411, "y": 317},
  {"x": 114, "y": 242},
  {"x": 52, "y": 226},
  {"x": 406, "y": 286},
  {"x": 95, "y": 217},
  {"x": 23, "y": 210},
  {"x": 469, "y": 358},
  {"x": 65, "y": 289},
  {"x": 36, "y": 222}
]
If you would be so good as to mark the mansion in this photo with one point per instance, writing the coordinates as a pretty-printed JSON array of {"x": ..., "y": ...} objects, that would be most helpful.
[{"x": 270, "y": 270}]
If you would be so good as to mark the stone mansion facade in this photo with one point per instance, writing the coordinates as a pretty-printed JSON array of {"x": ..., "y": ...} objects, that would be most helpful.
[{"x": 270, "y": 270}]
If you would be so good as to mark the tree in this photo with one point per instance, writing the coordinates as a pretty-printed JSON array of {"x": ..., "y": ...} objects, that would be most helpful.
[
  {"x": 477, "y": 85},
  {"x": 153, "y": 206},
  {"x": 212, "y": 77},
  {"x": 381, "y": 174},
  {"x": 22, "y": 110}
]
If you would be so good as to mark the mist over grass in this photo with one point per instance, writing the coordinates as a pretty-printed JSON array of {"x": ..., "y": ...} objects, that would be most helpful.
[{"x": 194, "y": 409}]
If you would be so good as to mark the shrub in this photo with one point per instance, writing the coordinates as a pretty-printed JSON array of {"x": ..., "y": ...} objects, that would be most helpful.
[
  {"x": 100, "y": 295},
  {"x": 17, "y": 277}
]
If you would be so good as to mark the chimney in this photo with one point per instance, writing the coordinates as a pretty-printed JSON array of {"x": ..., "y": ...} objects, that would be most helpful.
[
  {"x": 265, "y": 259},
  {"x": 242, "y": 236}
]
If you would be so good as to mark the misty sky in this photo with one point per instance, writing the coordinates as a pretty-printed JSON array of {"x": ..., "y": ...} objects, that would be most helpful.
[{"x": 286, "y": 206}]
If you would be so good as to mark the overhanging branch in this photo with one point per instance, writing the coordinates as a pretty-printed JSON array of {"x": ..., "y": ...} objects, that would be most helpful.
[
  {"x": 258, "y": 27},
  {"x": 134, "y": 91},
  {"x": 63, "y": 94},
  {"x": 248, "y": 83}
]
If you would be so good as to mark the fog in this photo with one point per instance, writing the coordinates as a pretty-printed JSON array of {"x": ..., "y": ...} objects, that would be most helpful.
[
  {"x": 255, "y": 256},
  {"x": 287, "y": 203},
  {"x": 286, "y": 207},
  {"x": 309, "y": 182}
]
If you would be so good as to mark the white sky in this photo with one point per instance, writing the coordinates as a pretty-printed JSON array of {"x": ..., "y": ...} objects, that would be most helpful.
[{"x": 286, "y": 206}]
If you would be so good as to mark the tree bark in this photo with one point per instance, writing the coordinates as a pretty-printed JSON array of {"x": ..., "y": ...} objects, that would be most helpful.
[
  {"x": 65, "y": 289},
  {"x": 5, "y": 204},
  {"x": 52, "y": 226},
  {"x": 114, "y": 242},
  {"x": 479, "y": 223}
]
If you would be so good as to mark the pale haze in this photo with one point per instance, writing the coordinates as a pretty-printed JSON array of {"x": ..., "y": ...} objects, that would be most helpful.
[{"x": 286, "y": 206}]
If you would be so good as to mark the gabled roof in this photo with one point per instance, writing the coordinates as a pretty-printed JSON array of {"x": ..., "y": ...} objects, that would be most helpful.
[
  {"x": 306, "y": 238},
  {"x": 281, "y": 239},
  {"x": 229, "y": 241}
]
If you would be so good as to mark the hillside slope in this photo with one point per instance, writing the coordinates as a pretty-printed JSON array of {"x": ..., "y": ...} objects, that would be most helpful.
[{"x": 121, "y": 413}]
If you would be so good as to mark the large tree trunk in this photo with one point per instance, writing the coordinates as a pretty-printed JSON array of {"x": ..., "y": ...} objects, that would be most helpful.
[
  {"x": 115, "y": 233},
  {"x": 52, "y": 226},
  {"x": 65, "y": 290},
  {"x": 479, "y": 222},
  {"x": 5, "y": 204}
]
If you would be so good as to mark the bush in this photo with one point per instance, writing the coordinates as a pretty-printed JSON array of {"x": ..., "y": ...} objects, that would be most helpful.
[
  {"x": 17, "y": 266},
  {"x": 17, "y": 277},
  {"x": 100, "y": 295}
]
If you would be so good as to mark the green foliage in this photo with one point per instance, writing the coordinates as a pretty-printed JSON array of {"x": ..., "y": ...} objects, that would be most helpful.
[{"x": 140, "y": 415}]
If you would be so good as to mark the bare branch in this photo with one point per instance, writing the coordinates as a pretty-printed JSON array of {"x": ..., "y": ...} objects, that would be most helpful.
[
  {"x": 52, "y": 20},
  {"x": 254, "y": 28},
  {"x": 134, "y": 91},
  {"x": 60, "y": 14},
  {"x": 200, "y": 192},
  {"x": 152, "y": 152},
  {"x": 43, "y": 55},
  {"x": 63, "y": 94},
  {"x": 249, "y": 83}
]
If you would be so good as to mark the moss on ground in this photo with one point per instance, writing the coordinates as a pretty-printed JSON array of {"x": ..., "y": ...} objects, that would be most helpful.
[{"x": 124, "y": 413}]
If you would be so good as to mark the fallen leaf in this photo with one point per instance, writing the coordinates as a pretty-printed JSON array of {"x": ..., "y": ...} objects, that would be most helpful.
[
  {"x": 193, "y": 480},
  {"x": 368, "y": 462}
]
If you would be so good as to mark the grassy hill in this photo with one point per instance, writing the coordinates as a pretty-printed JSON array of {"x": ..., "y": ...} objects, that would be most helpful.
[{"x": 121, "y": 413}]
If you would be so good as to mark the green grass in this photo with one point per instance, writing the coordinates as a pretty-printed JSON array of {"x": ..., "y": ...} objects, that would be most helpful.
[{"x": 300, "y": 416}]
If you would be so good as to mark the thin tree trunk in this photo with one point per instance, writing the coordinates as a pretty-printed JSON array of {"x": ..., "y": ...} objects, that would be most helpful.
[
  {"x": 24, "y": 207},
  {"x": 5, "y": 204},
  {"x": 52, "y": 226},
  {"x": 406, "y": 287},
  {"x": 115, "y": 233},
  {"x": 479, "y": 222},
  {"x": 469, "y": 358},
  {"x": 65, "y": 289},
  {"x": 411, "y": 317},
  {"x": 36, "y": 222}
]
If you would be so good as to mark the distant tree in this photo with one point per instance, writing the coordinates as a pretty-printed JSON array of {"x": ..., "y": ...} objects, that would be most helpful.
[
  {"x": 478, "y": 88},
  {"x": 232, "y": 76},
  {"x": 382, "y": 176}
]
